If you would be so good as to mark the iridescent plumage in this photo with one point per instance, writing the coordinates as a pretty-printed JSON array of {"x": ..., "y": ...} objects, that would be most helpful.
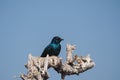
[{"x": 53, "y": 49}]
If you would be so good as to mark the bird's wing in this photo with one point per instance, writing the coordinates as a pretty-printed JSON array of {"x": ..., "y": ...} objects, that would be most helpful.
[
  {"x": 46, "y": 51},
  {"x": 58, "y": 50}
]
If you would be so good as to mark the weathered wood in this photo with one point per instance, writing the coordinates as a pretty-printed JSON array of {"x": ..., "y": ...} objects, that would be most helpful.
[{"x": 37, "y": 66}]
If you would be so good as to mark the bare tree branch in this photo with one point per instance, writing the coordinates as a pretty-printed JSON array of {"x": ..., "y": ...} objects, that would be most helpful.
[{"x": 74, "y": 65}]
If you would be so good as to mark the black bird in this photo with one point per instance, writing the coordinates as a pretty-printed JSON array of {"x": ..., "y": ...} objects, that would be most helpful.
[{"x": 53, "y": 49}]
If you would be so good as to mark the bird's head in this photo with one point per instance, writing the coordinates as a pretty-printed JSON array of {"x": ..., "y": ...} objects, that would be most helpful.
[{"x": 56, "y": 40}]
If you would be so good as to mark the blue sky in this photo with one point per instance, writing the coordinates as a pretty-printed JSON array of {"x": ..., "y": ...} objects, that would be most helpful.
[{"x": 27, "y": 26}]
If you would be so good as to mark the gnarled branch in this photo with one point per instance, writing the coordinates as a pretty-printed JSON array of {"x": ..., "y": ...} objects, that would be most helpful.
[{"x": 37, "y": 66}]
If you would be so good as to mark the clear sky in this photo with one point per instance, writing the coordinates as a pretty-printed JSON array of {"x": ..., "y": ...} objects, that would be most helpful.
[{"x": 27, "y": 26}]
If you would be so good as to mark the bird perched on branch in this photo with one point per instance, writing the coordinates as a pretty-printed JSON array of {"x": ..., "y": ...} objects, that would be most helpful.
[{"x": 53, "y": 49}]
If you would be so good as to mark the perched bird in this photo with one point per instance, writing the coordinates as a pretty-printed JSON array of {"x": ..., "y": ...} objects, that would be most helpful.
[{"x": 53, "y": 49}]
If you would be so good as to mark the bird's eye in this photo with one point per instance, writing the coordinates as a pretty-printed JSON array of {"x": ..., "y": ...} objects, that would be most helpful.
[{"x": 58, "y": 39}]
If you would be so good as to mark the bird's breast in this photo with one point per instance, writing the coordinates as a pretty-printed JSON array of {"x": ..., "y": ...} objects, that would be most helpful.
[{"x": 55, "y": 46}]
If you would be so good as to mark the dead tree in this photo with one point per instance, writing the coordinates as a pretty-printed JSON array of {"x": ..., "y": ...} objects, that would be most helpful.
[{"x": 74, "y": 65}]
